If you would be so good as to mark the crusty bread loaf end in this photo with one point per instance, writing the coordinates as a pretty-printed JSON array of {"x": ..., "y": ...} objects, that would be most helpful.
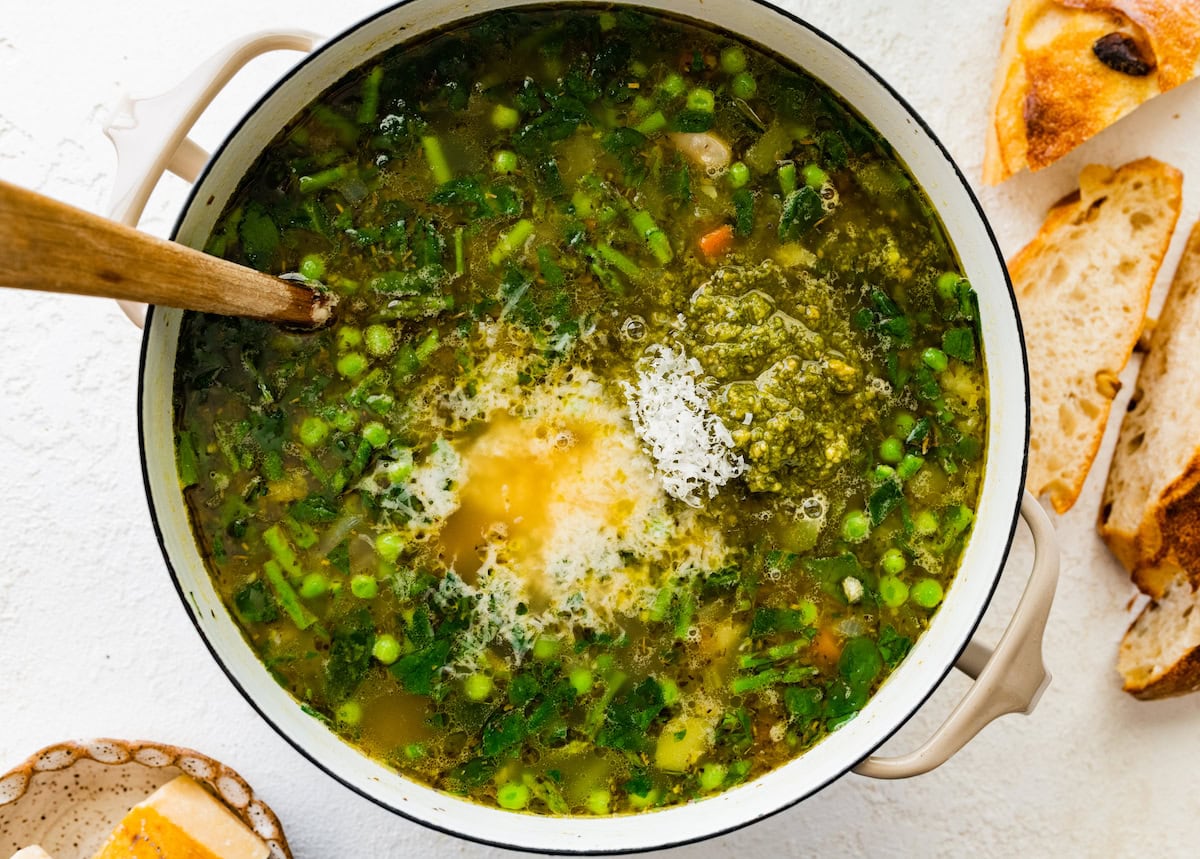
[
  {"x": 1150, "y": 512},
  {"x": 1160, "y": 654}
]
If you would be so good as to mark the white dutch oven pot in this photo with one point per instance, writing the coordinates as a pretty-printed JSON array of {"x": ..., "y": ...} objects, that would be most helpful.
[{"x": 150, "y": 136}]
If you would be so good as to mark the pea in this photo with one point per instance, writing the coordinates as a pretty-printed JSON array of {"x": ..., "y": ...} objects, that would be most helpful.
[
  {"x": 313, "y": 431},
  {"x": 701, "y": 100},
  {"x": 673, "y": 85},
  {"x": 389, "y": 545},
  {"x": 312, "y": 267},
  {"x": 926, "y": 522},
  {"x": 607, "y": 21},
  {"x": 348, "y": 337},
  {"x": 386, "y": 648},
  {"x": 891, "y": 450},
  {"x": 892, "y": 591},
  {"x": 814, "y": 176},
  {"x": 376, "y": 434},
  {"x": 505, "y": 118},
  {"x": 545, "y": 648},
  {"x": 808, "y": 612},
  {"x": 903, "y": 424},
  {"x": 379, "y": 340},
  {"x": 883, "y": 473},
  {"x": 935, "y": 359},
  {"x": 314, "y": 586},
  {"x": 581, "y": 679},
  {"x": 743, "y": 85},
  {"x": 856, "y": 526},
  {"x": 349, "y": 713},
  {"x": 345, "y": 420},
  {"x": 514, "y": 796},
  {"x": 352, "y": 364},
  {"x": 733, "y": 60},
  {"x": 926, "y": 593},
  {"x": 478, "y": 686},
  {"x": 893, "y": 561},
  {"x": 712, "y": 776},
  {"x": 504, "y": 162},
  {"x": 947, "y": 285},
  {"x": 739, "y": 174},
  {"x": 364, "y": 586}
]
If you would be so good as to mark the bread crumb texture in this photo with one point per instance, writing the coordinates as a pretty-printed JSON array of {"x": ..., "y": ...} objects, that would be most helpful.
[
  {"x": 1150, "y": 512},
  {"x": 1160, "y": 654},
  {"x": 1083, "y": 284}
]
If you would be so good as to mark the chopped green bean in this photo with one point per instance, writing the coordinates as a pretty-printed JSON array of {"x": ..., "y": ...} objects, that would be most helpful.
[
  {"x": 438, "y": 165},
  {"x": 511, "y": 241}
]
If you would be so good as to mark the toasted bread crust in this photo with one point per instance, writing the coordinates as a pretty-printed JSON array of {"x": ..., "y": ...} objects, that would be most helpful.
[
  {"x": 1167, "y": 545},
  {"x": 1182, "y": 677},
  {"x": 1150, "y": 515},
  {"x": 1053, "y": 90},
  {"x": 1097, "y": 185}
]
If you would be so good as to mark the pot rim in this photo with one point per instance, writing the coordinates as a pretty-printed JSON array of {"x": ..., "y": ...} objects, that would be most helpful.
[{"x": 919, "y": 701}]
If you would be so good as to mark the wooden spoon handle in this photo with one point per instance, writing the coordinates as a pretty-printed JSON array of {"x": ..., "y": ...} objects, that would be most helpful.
[{"x": 50, "y": 246}]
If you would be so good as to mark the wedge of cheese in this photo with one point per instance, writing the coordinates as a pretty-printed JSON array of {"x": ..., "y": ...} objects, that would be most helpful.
[
  {"x": 31, "y": 852},
  {"x": 182, "y": 820}
]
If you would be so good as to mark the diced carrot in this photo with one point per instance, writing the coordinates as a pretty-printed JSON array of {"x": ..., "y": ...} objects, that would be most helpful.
[
  {"x": 826, "y": 647},
  {"x": 717, "y": 242}
]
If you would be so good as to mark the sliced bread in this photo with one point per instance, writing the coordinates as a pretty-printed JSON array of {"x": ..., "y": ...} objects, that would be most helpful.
[
  {"x": 1150, "y": 513},
  {"x": 1160, "y": 654},
  {"x": 1070, "y": 68},
  {"x": 1082, "y": 285}
]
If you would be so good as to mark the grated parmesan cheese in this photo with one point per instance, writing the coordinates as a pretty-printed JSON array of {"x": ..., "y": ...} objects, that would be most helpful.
[{"x": 669, "y": 409}]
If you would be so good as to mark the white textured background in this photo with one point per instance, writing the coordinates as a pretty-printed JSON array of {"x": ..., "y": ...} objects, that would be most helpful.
[{"x": 94, "y": 641}]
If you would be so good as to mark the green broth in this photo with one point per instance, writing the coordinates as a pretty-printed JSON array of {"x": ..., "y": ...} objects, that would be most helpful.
[{"x": 647, "y": 437}]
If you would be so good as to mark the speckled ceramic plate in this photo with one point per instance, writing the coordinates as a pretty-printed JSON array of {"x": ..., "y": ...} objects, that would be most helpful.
[{"x": 68, "y": 797}]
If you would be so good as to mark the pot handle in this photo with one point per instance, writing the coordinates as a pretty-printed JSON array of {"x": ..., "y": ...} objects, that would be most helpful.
[
  {"x": 1009, "y": 679},
  {"x": 150, "y": 134}
]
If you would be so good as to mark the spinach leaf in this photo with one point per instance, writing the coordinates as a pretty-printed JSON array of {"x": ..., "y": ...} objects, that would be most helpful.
[
  {"x": 418, "y": 670},
  {"x": 893, "y": 646},
  {"x": 259, "y": 237},
  {"x": 626, "y": 145},
  {"x": 314, "y": 508},
  {"x": 803, "y": 702},
  {"x": 502, "y": 732},
  {"x": 629, "y": 716},
  {"x": 860, "y": 662},
  {"x": 884, "y": 500},
  {"x": 349, "y": 655},
  {"x": 557, "y": 123},
  {"x": 768, "y": 621},
  {"x": 255, "y": 603},
  {"x": 960, "y": 343},
  {"x": 801, "y": 211},
  {"x": 743, "y": 212}
]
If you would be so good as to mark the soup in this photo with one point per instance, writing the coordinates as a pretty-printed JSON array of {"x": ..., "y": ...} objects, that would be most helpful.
[{"x": 646, "y": 439}]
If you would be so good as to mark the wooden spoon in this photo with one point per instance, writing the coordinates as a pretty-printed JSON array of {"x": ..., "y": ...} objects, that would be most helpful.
[{"x": 53, "y": 247}]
